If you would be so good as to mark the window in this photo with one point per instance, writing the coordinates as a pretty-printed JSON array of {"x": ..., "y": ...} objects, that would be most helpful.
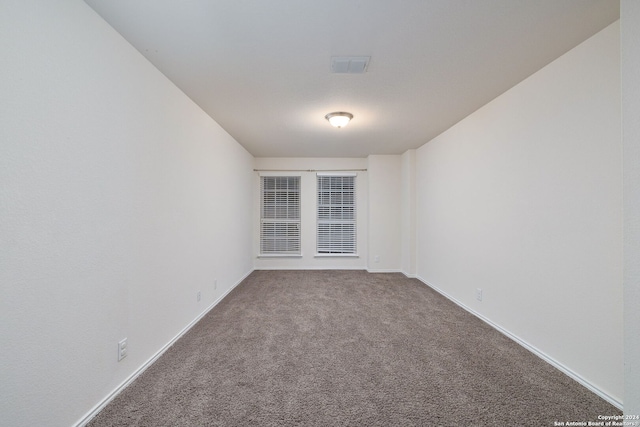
[
  {"x": 280, "y": 215},
  {"x": 336, "y": 214}
]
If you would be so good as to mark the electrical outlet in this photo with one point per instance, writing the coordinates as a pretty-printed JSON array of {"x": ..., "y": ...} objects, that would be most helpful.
[
  {"x": 198, "y": 297},
  {"x": 376, "y": 258},
  {"x": 122, "y": 349},
  {"x": 479, "y": 294}
]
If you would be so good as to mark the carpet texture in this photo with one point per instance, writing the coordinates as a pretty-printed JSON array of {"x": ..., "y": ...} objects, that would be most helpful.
[{"x": 347, "y": 348}]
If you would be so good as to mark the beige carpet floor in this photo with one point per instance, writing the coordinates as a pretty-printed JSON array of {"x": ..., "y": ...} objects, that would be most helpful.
[{"x": 347, "y": 348}]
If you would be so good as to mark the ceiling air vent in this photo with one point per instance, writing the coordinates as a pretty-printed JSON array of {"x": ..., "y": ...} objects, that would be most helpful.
[{"x": 349, "y": 64}]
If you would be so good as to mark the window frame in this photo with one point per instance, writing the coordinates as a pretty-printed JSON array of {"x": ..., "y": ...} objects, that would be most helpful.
[
  {"x": 280, "y": 213},
  {"x": 343, "y": 216}
]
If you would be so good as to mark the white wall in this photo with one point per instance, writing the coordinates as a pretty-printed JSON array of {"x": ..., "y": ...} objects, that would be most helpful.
[
  {"x": 116, "y": 209},
  {"x": 523, "y": 199},
  {"x": 380, "y": 207},
  {"x": 385, "y": 213},
  {"x": 308, "y": 193},
  {"x": 408, "y": 221},
  {"x": 630, "y": 70}
]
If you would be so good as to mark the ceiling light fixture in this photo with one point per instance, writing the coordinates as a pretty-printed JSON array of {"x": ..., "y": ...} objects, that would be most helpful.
[{"x": 339, "y": 119}]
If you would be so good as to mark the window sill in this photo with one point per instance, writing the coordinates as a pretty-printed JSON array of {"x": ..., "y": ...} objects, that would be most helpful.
[
  {"x": 336, "y": 256},
  {"x": 279, "y": 256}
]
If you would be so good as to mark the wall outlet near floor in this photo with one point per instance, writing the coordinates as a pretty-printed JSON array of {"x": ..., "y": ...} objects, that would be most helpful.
[
  {"x": 198, "y": 296},
  {"x": 479, "y": 294},
  {"x": 376, "y": 258},
  {"x": 122, "y": 349}
]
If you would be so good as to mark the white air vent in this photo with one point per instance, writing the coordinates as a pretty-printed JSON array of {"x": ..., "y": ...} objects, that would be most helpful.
[{"x": 349, "y": 64}]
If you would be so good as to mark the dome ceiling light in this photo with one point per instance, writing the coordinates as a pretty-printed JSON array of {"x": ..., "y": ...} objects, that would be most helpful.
[{"x": 339, "y": 119}]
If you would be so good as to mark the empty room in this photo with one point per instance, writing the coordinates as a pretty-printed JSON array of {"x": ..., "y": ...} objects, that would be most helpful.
[{"x": 303, "y": 213}]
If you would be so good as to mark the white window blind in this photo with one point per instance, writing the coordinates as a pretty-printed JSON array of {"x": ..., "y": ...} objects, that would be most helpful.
[
  {"x": 336, "y": 228},
  {"x": 280, "y": 215}
]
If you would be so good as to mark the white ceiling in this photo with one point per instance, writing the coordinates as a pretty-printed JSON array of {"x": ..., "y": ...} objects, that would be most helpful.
[{"x": 261, "y": 68}]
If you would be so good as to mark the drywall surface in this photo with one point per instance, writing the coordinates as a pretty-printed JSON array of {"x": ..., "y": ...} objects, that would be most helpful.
[
  {"x": 305, "y": 168},
  {"x": 408, "y": 228},
  {"x": 523, "y": 199},
  {"x": 630, "y": 70},
  {"x": 385, "y": 213},
  {"x": 120, "y": 200}
]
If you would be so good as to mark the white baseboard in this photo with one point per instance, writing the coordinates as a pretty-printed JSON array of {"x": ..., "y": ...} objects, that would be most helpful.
[
  {"x": 615, "y": 402},
  {"x": 391, "y": 270},
  {"x": 296, "y": 268},
  {"x": 96, "y": 409}
]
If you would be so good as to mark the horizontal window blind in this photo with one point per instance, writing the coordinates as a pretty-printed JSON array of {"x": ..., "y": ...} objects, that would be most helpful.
[
  {"x": 280, "y": 215},
  {"x": 336, "y": 228}
]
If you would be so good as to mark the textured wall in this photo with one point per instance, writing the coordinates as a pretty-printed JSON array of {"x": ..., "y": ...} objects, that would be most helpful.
[
  {"x": 119, "y": 201},
  {"x": 630, "y": 70},
  {"x": 385, "y": 213},
  {"x": 308, "y": 206},
  {"x": 408, "y": 232},
  {"x": 523, "y": 199}
]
